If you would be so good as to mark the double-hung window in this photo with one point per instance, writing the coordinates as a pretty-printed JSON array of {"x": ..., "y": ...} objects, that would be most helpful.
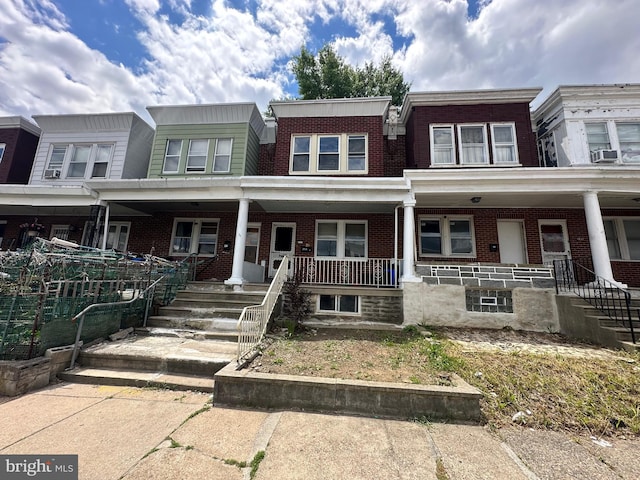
[
  {"x": 172, "y": 156},
  {"x": 473, "y": 144},
  {"x": 101, "y": 161},
  {"x": 629, "y": 138},
  {"x": 197, "y": 156},
  {"x": 442, "y": 151},
  {"x": 339, "y": 154},
  {"x": 329, "y": 153},
  {"x": 222, "y": 155},
  {"x": 503, "y": 137},
  {"x": 623, "y": 238},
  {"x": 56, "y": 159},
  {"x": 446, "y": 236},
  {"x": 598, "y": 136},
  {"x": 198, "y": 236},
  {"x": 79, "y": 159},
  {"x": 341, "y": 239}
]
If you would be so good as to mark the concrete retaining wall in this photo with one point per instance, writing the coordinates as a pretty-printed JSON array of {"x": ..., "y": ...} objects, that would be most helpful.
[
  {"x": 262, "y": 390},
  {"x": 534, "y": 309},
  {"x": 22, "y": 376}
]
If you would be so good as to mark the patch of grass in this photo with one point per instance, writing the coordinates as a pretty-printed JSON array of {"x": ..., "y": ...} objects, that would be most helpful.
[
  {"x": 206, "y": 408},
  {"x": 562, "y": 393},
  {"x": 174, "y": 444},
  {"x": 441, "y": 471},
  {"x": 236, "y": 463},
  {"x": 255, "y": 463}
]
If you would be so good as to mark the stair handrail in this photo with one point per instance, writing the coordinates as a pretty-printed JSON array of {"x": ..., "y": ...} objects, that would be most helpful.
[
  {"x": 597, "y": 291},
  {"x": 253, "y": 320}
]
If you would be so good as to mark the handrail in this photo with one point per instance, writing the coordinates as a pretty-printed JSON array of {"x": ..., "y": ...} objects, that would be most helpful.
[
  {"x": 253, "y": 320},
  {"x": 88, "y": 308},
  {"x": 599, "y": 292}
]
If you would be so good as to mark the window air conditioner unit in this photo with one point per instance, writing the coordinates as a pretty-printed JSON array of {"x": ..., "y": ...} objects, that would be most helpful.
[
  {"x": 604, "y": 156},
  {"x": 52, "y": 173}
]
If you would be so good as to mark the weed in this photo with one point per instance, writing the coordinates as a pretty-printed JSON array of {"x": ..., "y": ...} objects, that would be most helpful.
[
  {"x": 415, "y": 380},
  {"x": 255, "y": 463},
  {"x": 235, "y": 463},
  {"x": 441, "y": 471}
]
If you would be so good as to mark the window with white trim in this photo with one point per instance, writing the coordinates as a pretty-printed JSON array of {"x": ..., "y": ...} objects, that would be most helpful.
[
  {"x": 3, "y": 147},
  {"x": 341, "y": 238},
  {"x": 339, "y": 304},
  {"x": 117, "y": 236},
  {"x": 84, "y": 160},
  {"x": 629, "y": 139},
  {"x": 504, "y": 146},
  {"x": 446, "y": 237},
  {"x": 442, "y": 148},
  {"x": 337, "y": 154},
  {"x": 623, "y": 237},
  {"x": 597, "y": 136},
  {"x": 194, "y": 235},
  {"x": 473, "y": 144},
  {"x": 468, "y": 144},
  {"x": 222, "y": 155},
  {"x": 172, "y": 156},
  {"x": 197, "y": 156}
]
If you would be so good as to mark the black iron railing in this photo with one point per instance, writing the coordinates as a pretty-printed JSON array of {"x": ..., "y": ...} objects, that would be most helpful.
[{"x": 600, "y": 293}]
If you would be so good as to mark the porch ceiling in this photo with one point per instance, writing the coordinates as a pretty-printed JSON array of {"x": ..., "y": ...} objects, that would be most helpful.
[{"x": 522, "y": 200}]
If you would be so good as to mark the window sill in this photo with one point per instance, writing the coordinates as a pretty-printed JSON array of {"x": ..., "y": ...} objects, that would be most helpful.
[
  {"x": 332, "y": 173},
  {"x": 479, "y": 165}
]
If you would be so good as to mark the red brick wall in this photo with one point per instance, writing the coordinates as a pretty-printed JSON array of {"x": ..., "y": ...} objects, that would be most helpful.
[
  {"x": 20, "y": 151},
  {"x": 395, "y": 156},
  {"x": 372, "y": 126},
  {"x": 418, "y": 128}
]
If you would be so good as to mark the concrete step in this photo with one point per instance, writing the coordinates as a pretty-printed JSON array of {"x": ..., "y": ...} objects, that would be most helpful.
[
  {"x": 621, "y": 334},
  {"x": 253, "y": 298},
  {"x": 136, "y": 378},
  {"x": 221, "y": 287},
  {"x": 214, "y": 303},
  {"x": 631, "y": 347},
  {"x": 197, "y": 312},
  {"x": 215, "y": 330},
  {"x": 211, "y": 324},
  {"x": 155, "y": 353}
]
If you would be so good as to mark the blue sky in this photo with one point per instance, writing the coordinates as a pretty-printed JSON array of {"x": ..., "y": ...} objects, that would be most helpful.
[{"x": 80, "y": 56}]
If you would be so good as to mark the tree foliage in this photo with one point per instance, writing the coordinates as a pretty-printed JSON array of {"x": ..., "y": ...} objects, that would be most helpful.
[{"x": 327, "y": 75}]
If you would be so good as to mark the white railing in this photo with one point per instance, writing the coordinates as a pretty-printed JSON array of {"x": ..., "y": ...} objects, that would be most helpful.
[
  {"x": 363, "y": 272},
  {"x": 253, "y": 320}
]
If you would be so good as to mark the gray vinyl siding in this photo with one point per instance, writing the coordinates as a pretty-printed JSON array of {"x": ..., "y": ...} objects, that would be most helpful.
[
  {"x": 236, "y": 131},
  {"x": 140, "y": 141}
]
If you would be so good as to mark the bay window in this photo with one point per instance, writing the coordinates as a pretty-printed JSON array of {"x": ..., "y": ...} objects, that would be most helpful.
[{"x": 82, "y": 160}]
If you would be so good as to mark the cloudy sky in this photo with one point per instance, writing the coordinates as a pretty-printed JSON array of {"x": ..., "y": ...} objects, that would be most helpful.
[{"x": 77, "y": 56}]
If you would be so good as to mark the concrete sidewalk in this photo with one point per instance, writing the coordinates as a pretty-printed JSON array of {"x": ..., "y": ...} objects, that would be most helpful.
[{"x": 130, "y": 433}]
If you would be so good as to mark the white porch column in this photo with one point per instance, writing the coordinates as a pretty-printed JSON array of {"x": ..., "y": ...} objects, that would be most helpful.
[
  {"x": 239, "y": 244},
  {"x": 408, "y": 242},
  {"x": 597, "y": 238}
]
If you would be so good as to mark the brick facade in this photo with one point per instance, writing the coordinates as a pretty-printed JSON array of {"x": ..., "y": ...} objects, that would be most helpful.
[
  {"x": 418, "y": 135},
  {"x": 19, "y": 153}
]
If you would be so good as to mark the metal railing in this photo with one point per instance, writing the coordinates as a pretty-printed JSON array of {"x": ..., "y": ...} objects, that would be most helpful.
[
  {"x": 363, "y": 272},
  {"x": 253, "y": 320},
  {"x": 600, "y": 293}
]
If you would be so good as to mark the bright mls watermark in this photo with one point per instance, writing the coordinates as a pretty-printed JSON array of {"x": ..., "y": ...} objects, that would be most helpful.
[{"x": 51, "y": 467}]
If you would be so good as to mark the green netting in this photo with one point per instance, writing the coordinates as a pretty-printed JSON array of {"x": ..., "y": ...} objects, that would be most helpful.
[{"x": 43, "y": 287}]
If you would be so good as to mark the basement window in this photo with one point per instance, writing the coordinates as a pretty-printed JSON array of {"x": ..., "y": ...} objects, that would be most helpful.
[{"x": 339, "y": 304}]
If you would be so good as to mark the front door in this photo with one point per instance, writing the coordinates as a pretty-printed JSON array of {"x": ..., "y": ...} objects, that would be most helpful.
[
  {"x": 283, "y": 239},
  {"x": 511, "y": 241},
  {"x": 554, "y": 240}
]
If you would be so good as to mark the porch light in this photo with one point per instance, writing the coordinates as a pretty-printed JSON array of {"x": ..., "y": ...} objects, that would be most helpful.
[{"x": 476, "y": 199}]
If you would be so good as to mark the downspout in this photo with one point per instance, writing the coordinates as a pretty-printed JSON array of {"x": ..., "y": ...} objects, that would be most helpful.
[{"x": 395, "y": 245}]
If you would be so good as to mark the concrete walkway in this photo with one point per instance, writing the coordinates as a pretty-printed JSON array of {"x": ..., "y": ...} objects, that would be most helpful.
[{"x": 130, "y": 433}]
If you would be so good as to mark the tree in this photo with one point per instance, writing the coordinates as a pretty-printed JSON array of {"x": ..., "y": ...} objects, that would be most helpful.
[{"x": 327, "y": 75}]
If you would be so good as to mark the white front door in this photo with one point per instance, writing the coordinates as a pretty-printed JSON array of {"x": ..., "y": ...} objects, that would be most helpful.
[
  {"x": 511, "y": 241},
  {"x": 283, "y": 243},
  {"x": 554, "y": 240}
]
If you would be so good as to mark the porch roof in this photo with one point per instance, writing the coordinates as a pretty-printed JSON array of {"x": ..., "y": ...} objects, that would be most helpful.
[{"x": 617, "y": 187}]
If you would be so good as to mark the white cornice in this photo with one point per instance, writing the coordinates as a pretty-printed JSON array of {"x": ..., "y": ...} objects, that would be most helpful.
[
  {"x": 47, "y": 196},
  {"x": 91, "y": 122},
  {"x": 20, "y": 122},
  {"x": 466, "y": 97},
  {"x": 337, "y": 107}
]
